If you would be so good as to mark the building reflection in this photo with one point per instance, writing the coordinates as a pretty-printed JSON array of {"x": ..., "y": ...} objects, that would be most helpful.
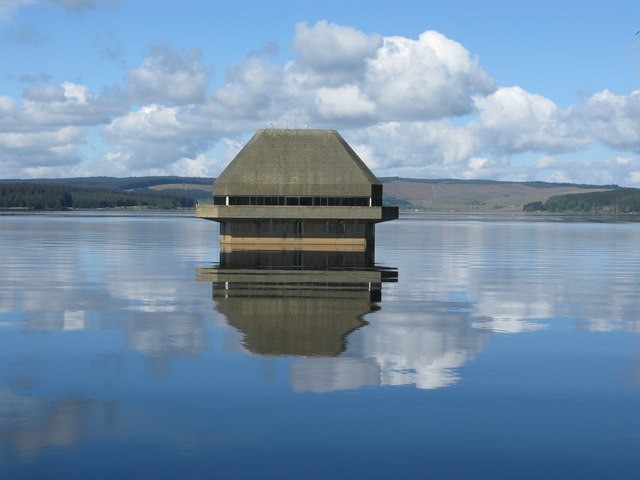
[
  {"x": 313, "y": 307},
  {"x": 297, "y": 303}
]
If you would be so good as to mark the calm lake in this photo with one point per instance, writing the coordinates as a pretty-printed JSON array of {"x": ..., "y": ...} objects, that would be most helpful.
[{"x": 480, "y": 346}]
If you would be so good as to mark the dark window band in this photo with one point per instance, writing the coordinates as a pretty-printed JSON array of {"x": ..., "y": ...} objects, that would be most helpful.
[{"x": 295, "y": 201}]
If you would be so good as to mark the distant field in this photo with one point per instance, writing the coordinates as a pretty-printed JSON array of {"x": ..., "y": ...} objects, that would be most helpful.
[
  {"x": 474, "y": 196},
  {"x": 181, "y": 186}
]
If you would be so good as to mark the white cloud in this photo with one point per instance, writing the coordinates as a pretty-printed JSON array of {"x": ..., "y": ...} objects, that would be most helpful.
[
  {"x": 7, "y": 106},
  {"x": 252, "y": 90},
  {"x": 67, "y": 104},
  {"x": 156, "y": 136},
  {"x": 604, "y": 171},
  {"x": 366, "y": 153},
  {"x": 32, "y": 153},
  {"x": 18, "y": 141},
  {"x": 329, "y": 48},
  {"x": 614, "y": 119},
  {"x": 546, "y": 161},
  {"x": 347, "y": 102},
  {"x": 46, "y": 132},
  {"x": 634, "y": 178},
  {"x": 349, "y": 74},
  {"x": 475, "y": 168},
  {"x": 168, "y": 76},
  {"x": 432, "y": 77},
  {"x": 513, "y": 120},
  {"x": 200, "y": 166},
  {"x": 426, "y": 146},
  {"x": 75, "y": 93}
]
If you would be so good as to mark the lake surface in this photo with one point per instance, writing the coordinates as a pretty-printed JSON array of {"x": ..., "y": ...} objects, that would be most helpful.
[{"x": 508, "y": 347}]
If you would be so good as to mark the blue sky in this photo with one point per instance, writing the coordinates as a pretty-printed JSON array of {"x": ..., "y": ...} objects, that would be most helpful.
[{"x": 432, "y": 89}]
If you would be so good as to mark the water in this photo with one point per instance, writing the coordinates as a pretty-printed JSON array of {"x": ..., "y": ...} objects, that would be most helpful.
[{"x": 507, "y": 348}]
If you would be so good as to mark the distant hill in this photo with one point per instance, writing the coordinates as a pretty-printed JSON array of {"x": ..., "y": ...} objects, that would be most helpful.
[
  {"x": 475, "y": 195},
  {"x": 407, "y": 193}
]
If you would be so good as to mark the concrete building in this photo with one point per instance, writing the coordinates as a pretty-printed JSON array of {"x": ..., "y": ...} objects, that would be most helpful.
[{"x": 302, "y": 189}]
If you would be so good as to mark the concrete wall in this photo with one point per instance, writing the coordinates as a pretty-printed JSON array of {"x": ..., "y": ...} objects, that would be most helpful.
[{"x": 223, "y": 212}]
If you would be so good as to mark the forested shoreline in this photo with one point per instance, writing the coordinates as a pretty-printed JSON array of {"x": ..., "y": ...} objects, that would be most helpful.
[
  {"x": 618, "y": 201},
  {"x": 39, "y": 196}
]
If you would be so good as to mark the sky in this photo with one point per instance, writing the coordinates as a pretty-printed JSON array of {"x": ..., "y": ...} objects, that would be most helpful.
[{"x": 487, "y": 89}]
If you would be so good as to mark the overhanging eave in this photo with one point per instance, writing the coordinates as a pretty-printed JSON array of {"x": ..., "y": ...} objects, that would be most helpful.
[{"x": 221, "y": 213}]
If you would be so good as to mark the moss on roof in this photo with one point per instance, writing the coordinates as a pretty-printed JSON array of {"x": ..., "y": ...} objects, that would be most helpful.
[{"x": 296, "y": 163}]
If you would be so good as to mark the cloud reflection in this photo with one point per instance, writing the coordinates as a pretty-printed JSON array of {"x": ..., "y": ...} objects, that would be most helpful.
[
  {"x": 130, "y": 286},
  {"x": 30, "y": 424},
  {"x": 424, "y": 349}
]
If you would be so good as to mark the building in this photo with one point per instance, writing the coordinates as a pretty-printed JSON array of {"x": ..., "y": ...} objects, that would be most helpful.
[{"x": 299, "y": 189}]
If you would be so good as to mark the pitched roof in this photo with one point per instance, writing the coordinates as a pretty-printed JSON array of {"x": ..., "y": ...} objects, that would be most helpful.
[{"x": 296, "y": 163}]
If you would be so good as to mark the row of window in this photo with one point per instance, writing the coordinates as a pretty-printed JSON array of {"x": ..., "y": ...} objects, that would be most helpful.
[{"x": 293, "y": 201}]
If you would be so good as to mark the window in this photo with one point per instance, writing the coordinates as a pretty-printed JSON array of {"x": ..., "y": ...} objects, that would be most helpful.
[{"x": 295, "y": 201}]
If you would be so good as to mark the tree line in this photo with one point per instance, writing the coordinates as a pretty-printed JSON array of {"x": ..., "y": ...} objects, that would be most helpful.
[
  {"x": 37, "y": 196},
  {"x": 621, "y": 200}
]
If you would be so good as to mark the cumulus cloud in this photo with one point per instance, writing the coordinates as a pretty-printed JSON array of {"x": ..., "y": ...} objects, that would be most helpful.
[
  {"x": 428, "y": 78},
  {"x": 424, "y": 148},
  {"x": 253, "y": 89},
  {"x": 604, "y": 171},
  {"x": 330, "y": 48},
  {"x": 614, "y": 119},
  {"x": 36, "y": 152},
  {"x": 157, "y": 136},
  {"x": 47, "y": 129},
  {"x": 344, "y": 102},
  {"x": 68, "y": 104},
  {"x": 513, "y": 120},
  {"x": 382, "y": 79},
  {"x": 168, "y": 76},
  {"x": 507, "y": 122},
  {"x": 421, "y": 107}
]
